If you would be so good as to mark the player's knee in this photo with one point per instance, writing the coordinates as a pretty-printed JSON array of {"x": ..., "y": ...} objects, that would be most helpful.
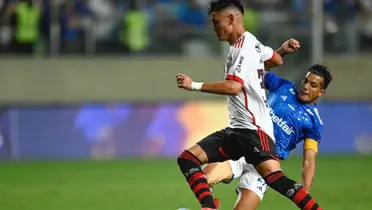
[
  {"x": 187, "y": 160},
  {"x": 274, "y": 176},
  {"x": 268, "y": 167},
  {"x": 181, "y": 160}
]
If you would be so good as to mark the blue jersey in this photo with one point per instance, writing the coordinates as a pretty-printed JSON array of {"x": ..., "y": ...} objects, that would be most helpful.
[{"x": 293, "y": 121}]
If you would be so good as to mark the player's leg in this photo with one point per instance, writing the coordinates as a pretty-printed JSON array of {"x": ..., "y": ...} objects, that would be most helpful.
[
  {"x": 247, "y": 200},
  {"x": 224, "y": 172},
  {"x": 218, "y": 172},
  {"x": 277, "y": 180},
  {"x": 210, "y": 149},
  {"x": 189, "y": 163},
  {"x": 268, "y": 166},
  {"x": 251, "y": 189}
]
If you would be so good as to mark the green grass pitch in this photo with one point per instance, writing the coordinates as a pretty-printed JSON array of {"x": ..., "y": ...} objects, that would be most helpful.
[{"x": 341, "y": 183}]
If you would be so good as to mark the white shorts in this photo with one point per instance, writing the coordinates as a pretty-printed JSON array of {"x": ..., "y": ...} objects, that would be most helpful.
[{"x": 249, "y": 177}]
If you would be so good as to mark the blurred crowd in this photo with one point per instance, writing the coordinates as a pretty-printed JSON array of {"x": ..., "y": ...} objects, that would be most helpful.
[{"x": 52, "y": 27}]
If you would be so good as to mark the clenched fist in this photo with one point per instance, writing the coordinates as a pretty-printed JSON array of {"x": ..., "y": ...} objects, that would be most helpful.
[
  {"x": 184, "y": 81},
  {"x": 290, "y": 46}
]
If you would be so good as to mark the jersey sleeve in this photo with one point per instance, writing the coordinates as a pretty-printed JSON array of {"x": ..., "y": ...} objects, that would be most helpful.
[
  {"x": 240, "y": 64},
  {"x": 315, "y": 132},
  {"x": 273, "y": 81},
  {"x": 267, "y": 53},
  {"x": 312, "y": 138}
]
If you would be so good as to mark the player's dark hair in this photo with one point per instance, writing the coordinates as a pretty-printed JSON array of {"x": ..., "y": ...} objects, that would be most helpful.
[
  {"x": 323, "y": 72},
  {"x": 218, "y": 5}
]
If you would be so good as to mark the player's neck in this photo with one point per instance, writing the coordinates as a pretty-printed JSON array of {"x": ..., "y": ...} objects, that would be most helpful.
[{"x": 236, "y": 35}]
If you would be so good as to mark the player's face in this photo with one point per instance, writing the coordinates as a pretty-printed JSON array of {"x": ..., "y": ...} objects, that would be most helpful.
[
  {"x": 222, "y": 25},
  {"x": 311, "y": 88}
]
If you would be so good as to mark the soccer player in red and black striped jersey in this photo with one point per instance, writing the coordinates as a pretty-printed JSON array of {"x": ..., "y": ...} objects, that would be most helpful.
[{"x": 250, "y": 131}]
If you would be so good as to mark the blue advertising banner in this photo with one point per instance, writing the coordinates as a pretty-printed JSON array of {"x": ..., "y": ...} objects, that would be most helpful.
[{"x": 102, "y": 131}]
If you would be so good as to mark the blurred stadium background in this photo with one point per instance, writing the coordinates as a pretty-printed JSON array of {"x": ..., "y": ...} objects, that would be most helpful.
[{"x": 91, "y": 117}]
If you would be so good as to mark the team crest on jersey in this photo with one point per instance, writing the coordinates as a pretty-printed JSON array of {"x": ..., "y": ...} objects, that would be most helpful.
[{"x": 258, "y": 47}]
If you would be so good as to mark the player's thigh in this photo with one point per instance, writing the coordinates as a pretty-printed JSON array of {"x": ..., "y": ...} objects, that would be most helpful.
[
  {"x": 256, "y": 146},
  {"x": 251, "y": 189},
  {"x": 247, "y": 200},
  {"x": 216, "y": 146},
  {"x": 253, "y": 181}
]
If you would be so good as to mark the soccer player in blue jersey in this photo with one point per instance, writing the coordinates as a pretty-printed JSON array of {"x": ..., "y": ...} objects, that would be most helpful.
[{"x": 296, "y": 119}]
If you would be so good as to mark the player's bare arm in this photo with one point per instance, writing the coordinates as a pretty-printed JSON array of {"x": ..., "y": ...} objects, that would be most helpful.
[
  {"x": 227, "y": 87},
  {"x": 218, "y": 172},
  {"x": 308, "y": 163},
  {"x": 290, "y": 46}
]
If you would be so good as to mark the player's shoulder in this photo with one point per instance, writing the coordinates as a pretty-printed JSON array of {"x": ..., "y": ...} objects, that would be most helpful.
[
  {"x": 286, "y": 86},
  {"x": 315, "y": 115},
  {"x": 246, "y": 41}
]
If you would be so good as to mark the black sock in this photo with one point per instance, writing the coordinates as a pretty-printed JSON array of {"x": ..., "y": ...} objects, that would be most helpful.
[
  {"x": 190, "y": 167},
  {"x": 291, "y": 189}
]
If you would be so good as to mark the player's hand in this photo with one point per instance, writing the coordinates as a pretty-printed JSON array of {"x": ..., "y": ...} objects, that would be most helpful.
[
  {"x": 291, "y": 46},
  {"x": 184, "y": 81}
]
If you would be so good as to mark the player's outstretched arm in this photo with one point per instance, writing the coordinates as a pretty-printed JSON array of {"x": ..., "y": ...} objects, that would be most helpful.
[
  {"x": 290, "y": 46},
  {"x": 227, "y": 87},
  {"x": 308, "y": 163}
]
